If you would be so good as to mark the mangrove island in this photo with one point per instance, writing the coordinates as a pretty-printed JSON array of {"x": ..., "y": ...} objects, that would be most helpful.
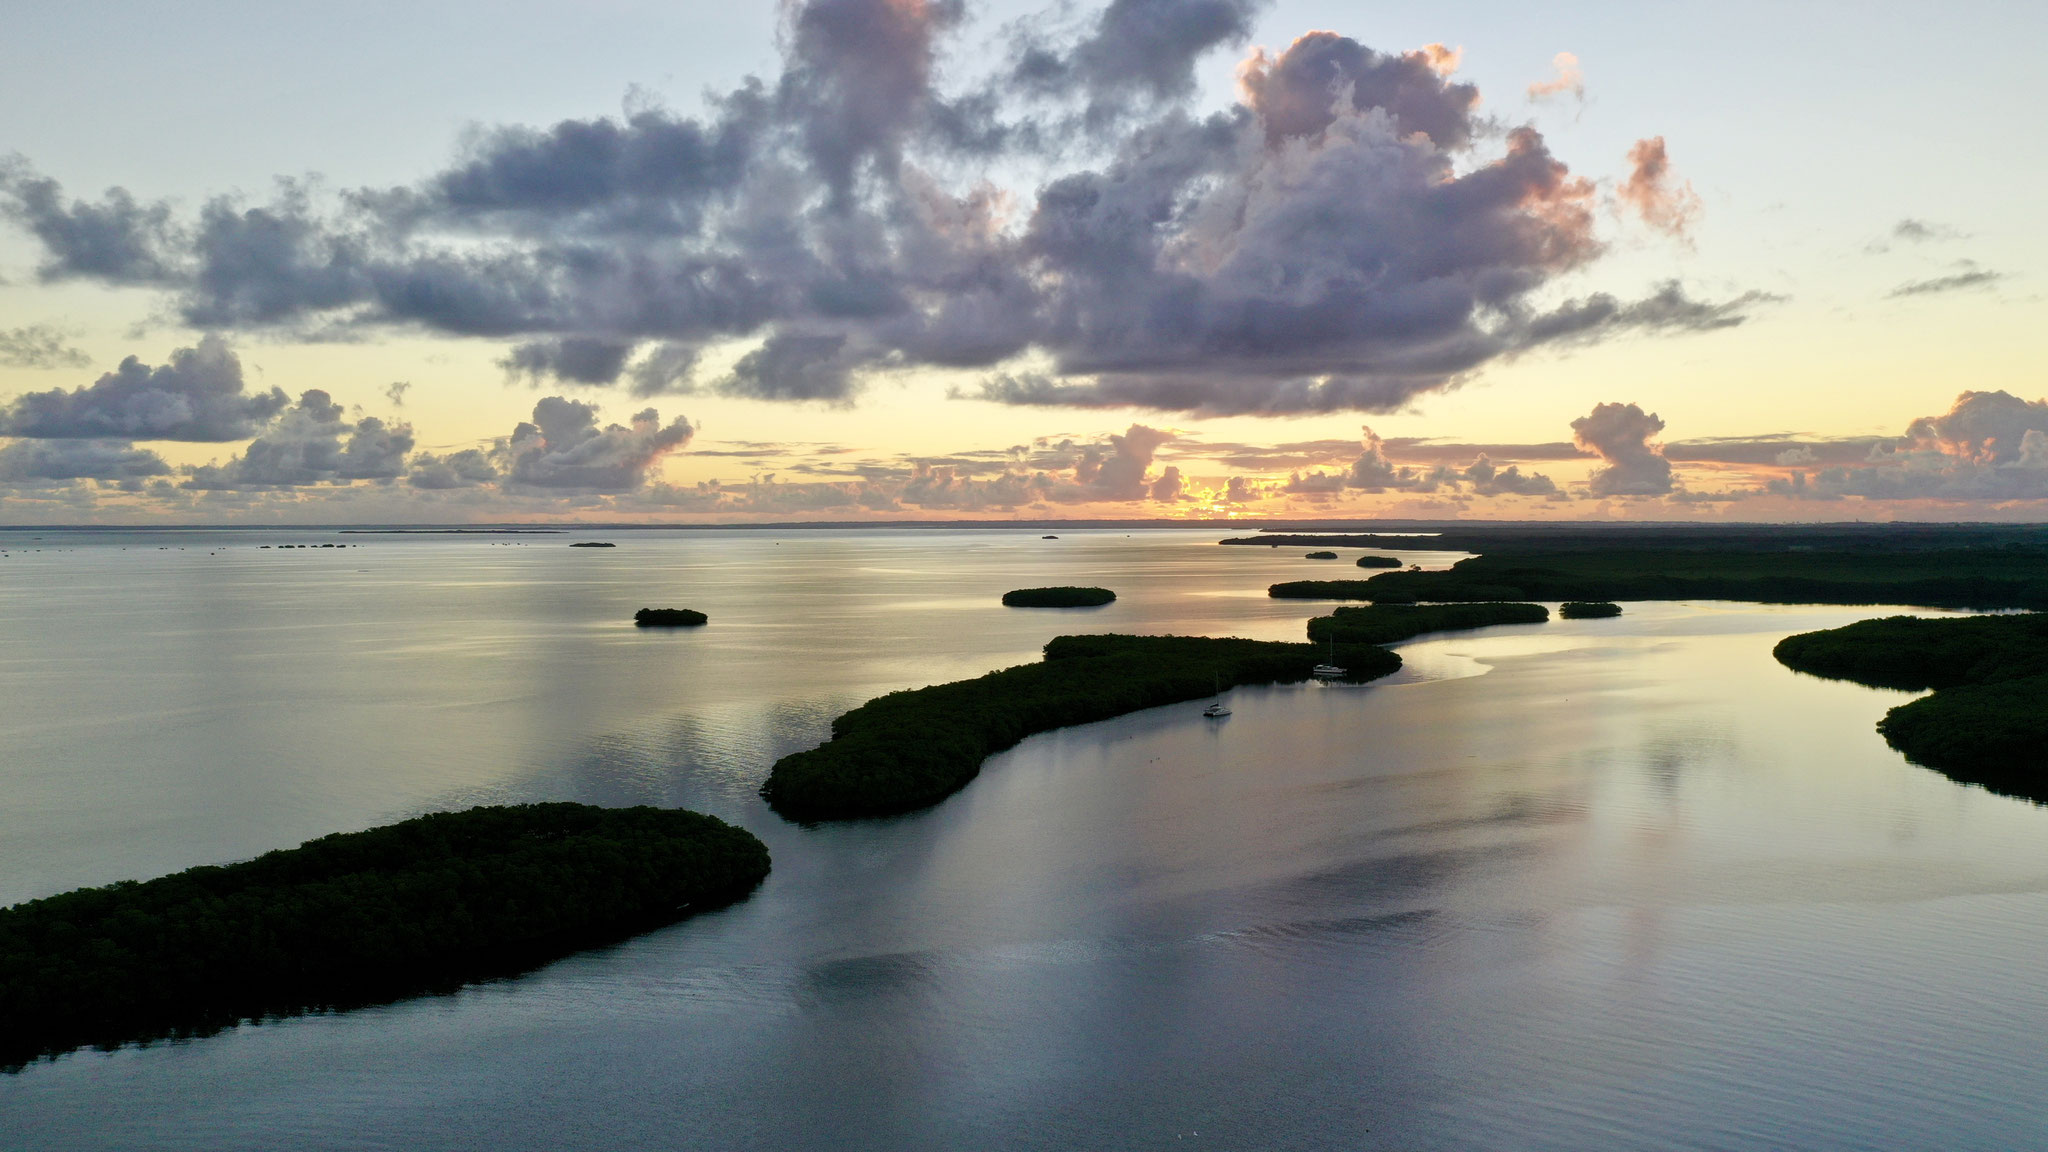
[
  {"x": 912, "y": 749},
  {"x": 1987, "y": 721},
  {"x": 1588, "y": 610},
  {"x": 1063, "y": 597},
  {"x": 669, "y": 618},
  {"x": 356, "y": 918},
  {"x": 1320, "y": 556}
]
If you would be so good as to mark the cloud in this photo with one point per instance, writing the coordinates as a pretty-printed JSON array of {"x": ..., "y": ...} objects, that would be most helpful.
[
  {"x": 569, "y": 360},
  {"x": 563, "y": 449},
  {"x": 1970, "y": 277},
  {"x": 469, "y": 468},
  {"x": 1135, "y": 51},
  {"x": 1914, "y": 231},
  {"x": 395, "y": 392},
  {"x": 1242, "y": 490},
  {"x": 1654, "y": 194},
  {"x": 1989, "y": 446},
  {"x": 1119, "y": 473},
  {"x": 1620, "y": 434},
  {"x": 1347, "y": 236},
  {"x": 1570, "y": 80},
  {"x": 197, "y": 395},
  {"x": 311, "y": 442},
  {"x": 1981, "y": 427},
  {"x": 33, "y": 461},
  {"x": 667, "y": 368},
  {"x": 1371, "y": 471},
  {"x": 118, "y": 240},
  {"x": 1488, "y": 480},
  {"x": 39, "y": 346}
]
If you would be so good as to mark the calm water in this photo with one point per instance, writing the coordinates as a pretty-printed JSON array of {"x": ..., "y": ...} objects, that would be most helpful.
[{"x": 1622, "y": 883}]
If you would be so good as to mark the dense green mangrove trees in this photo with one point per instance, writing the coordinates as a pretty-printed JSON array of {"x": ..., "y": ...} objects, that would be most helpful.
[
  {"x": 354, "y": 918},
  {"x": 1987, "y": 721}
]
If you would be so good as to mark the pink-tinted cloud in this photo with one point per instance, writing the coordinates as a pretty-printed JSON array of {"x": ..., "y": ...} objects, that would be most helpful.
[
  {"x": 1569, "y": 81},
  {"x": 1620, "y": 434},
  {"x": 1655, "y": 193}
]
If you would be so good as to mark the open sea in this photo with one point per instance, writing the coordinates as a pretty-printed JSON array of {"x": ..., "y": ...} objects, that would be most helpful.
[{"x": 1591, "y": 884}]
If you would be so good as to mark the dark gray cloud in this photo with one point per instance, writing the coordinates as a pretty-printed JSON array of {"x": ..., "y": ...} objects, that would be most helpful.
[
  {"x": 564, "y": 449},
  {"x": 117, "y": 240},
  {"x": 197, "y": 395},
  {"x": 1970, "y": 277},
  {"x": 34, "y": 461},
  {"x": 311, "y": 442},
  {"x": 795, "y": 366},
  {"x": 39, "y": 346},
  {"x": 1620, "y": 434},
  {"x": 1135, "y": 50},
  {"x": 1349, "y": 236},
  {"x": 569, "y": 360},
  {"x": 666, "y": 368}
]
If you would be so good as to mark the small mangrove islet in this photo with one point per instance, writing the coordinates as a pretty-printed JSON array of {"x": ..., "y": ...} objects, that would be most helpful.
[
  {"x": 1588, "y": 610},
  {"x": 1378, "y": 562},
  {"x": 593, "y": 544},
  {"x": 669, "y": 618},
  {"x": 1392, "y": 623},
  {"x": 1320, "y": 556},
  {"x": 1062, "y": 597},
  {"x": 424, "y": 905},
  {"x": 1987, "y": 719}
]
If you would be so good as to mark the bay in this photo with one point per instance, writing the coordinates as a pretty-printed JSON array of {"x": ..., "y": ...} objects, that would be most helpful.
[{"x": 1590, "y": 883}]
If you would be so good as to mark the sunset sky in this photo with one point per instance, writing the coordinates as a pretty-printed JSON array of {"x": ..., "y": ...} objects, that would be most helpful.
[{"x": 898, "y": 259}]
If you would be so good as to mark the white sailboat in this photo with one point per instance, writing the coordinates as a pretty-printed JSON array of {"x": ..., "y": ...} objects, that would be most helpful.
[
  {"x": 1217, "y": 708},
  {"x": 1329, "y": 671}
]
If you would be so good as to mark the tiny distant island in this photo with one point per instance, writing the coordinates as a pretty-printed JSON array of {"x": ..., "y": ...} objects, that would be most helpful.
[
  {"x": 669, "y": 618},
  {"x": 424, "y": 905},
  {"x": 1062, "y": 597},
  {"x": 593, "y": 544},
  {"x": 1987, "y": 720},
  {"x": 1378, "y": 562},
  {"x": 1320, "y": 556},
  {"x": 1588, "y": 610},
  {"x": 912, "y": 749}
]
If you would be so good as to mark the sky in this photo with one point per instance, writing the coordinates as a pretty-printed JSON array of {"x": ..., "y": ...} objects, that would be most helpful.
[{"x": 922, "y": 259}]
